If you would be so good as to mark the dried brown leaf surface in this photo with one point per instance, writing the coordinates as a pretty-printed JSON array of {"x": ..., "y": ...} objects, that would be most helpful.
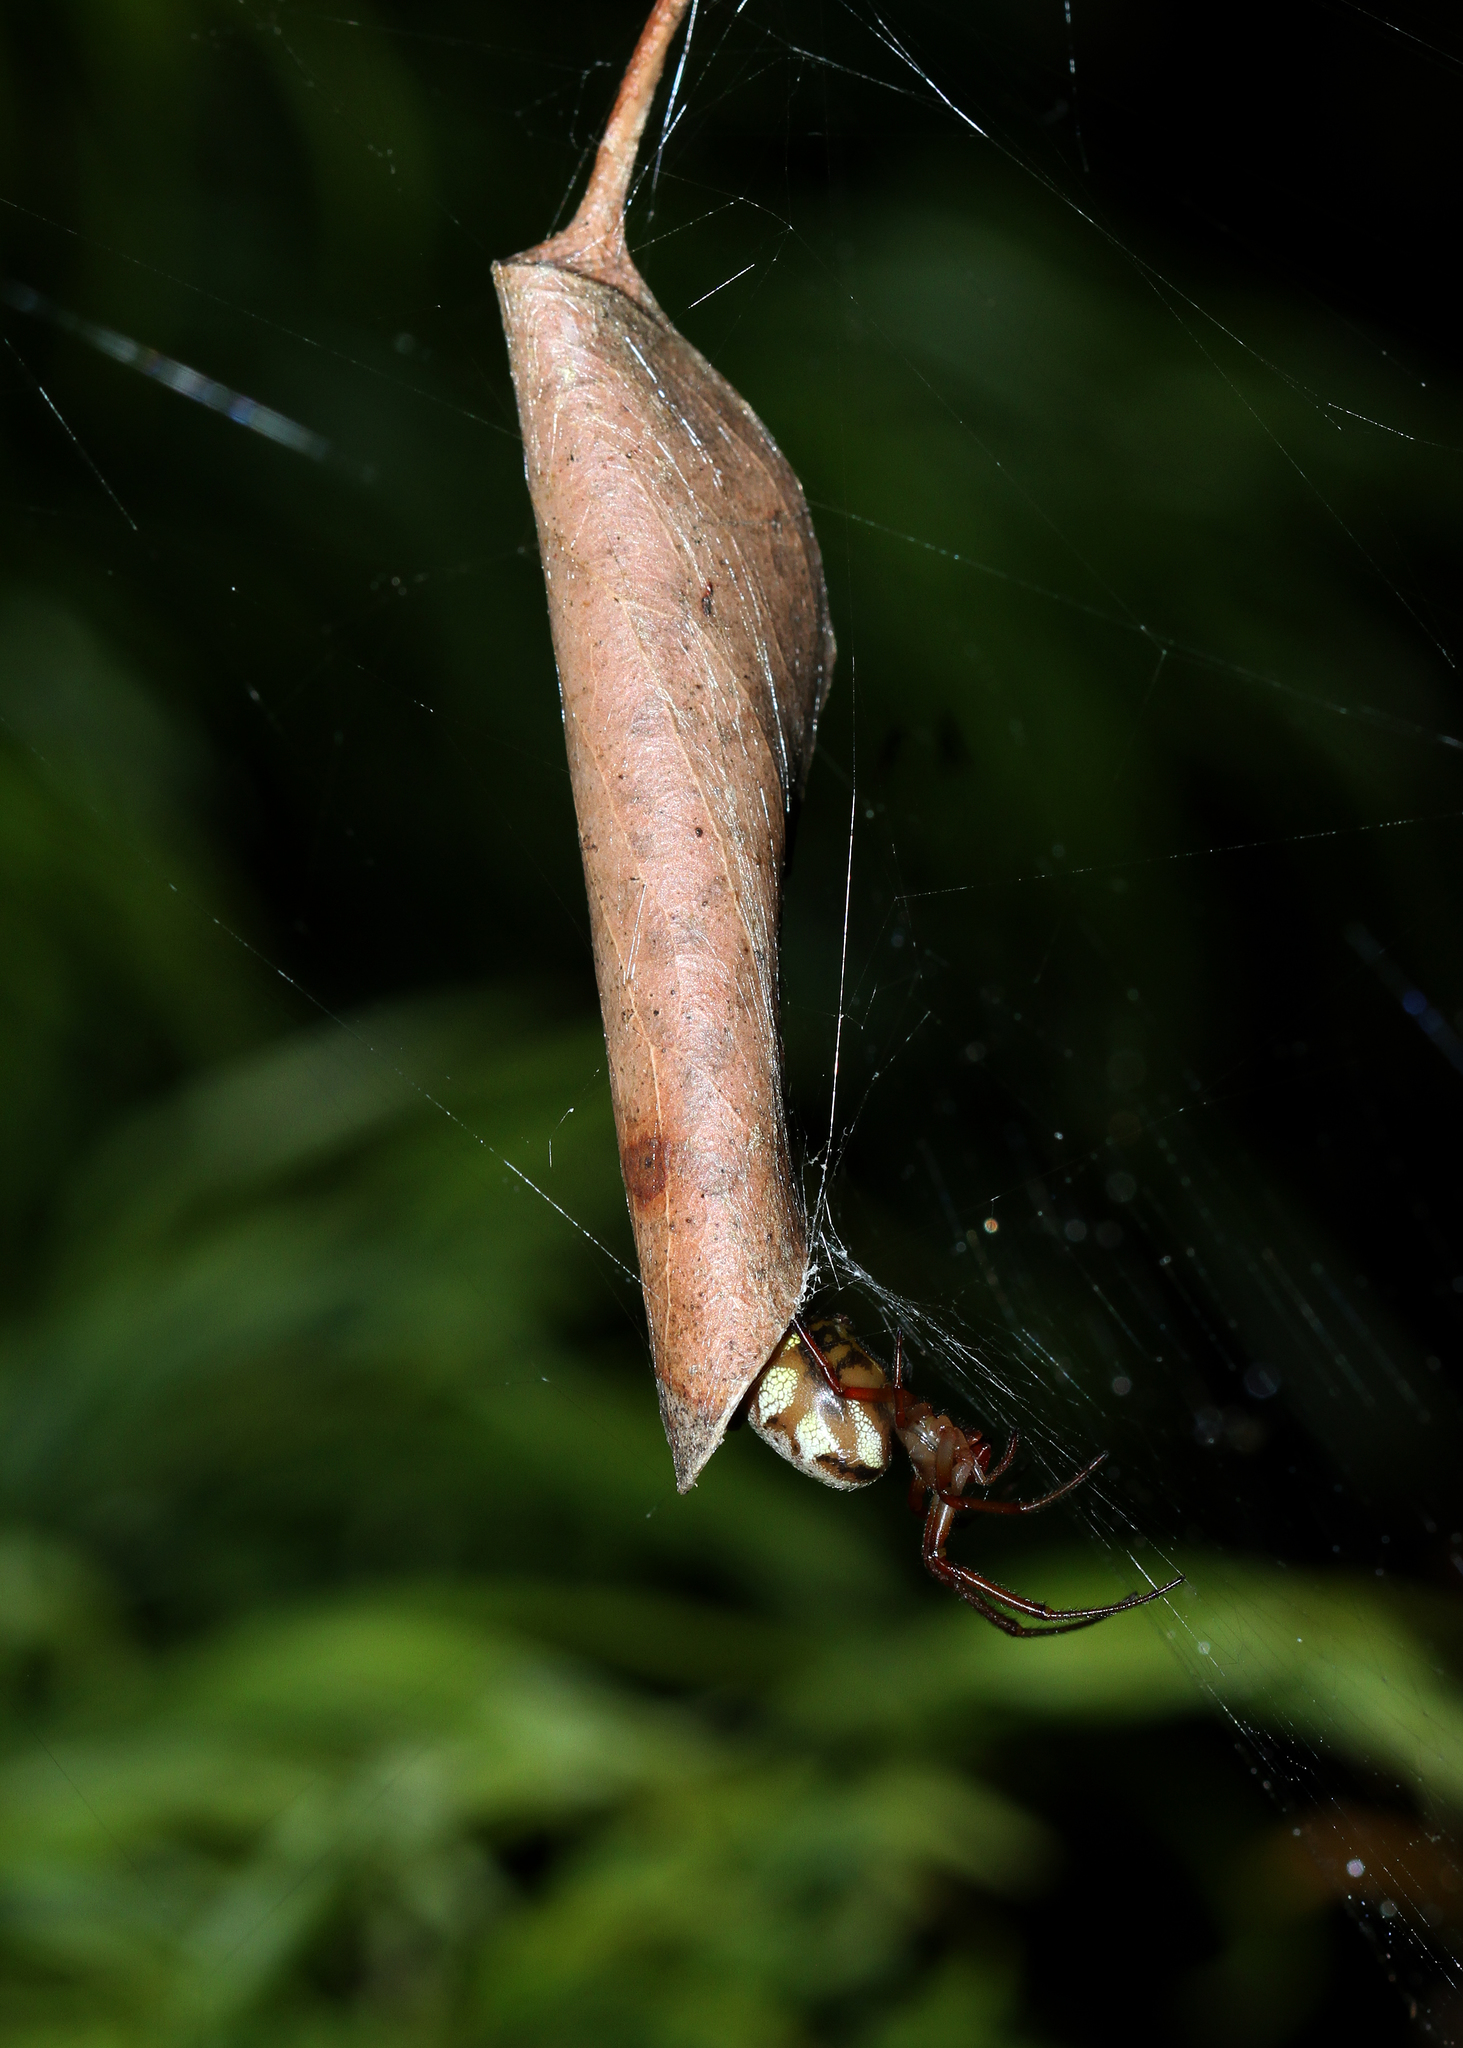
[{"x": 690, "y": 625}]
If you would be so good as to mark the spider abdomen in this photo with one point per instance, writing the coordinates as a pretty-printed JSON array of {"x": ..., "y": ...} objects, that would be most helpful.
[{"x": 842, "y": 1443}]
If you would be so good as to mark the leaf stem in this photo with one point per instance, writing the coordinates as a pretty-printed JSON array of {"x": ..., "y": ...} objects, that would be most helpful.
[{"x": 594, "y": 241}]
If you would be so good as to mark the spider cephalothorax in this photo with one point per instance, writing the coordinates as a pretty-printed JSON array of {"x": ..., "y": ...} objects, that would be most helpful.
[{"x": 828, "y": 1407}]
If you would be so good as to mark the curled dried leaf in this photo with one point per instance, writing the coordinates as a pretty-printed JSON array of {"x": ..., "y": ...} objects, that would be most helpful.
[{"x": 691, "y": 630}]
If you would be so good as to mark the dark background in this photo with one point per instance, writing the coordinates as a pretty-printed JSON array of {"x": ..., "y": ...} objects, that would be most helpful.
[{"x": 365, "y": 1677}]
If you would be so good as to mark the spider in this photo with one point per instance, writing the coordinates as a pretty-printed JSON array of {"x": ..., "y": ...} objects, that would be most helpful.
[{"x": 823, "y": 1403}]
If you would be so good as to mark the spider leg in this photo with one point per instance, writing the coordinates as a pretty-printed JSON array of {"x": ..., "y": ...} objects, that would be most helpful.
[
  {"x": 965, "y": 1506},
  {"x": 994, "y": 1615},
  {"x": 962, "y": 1580},
  {"x": 807, "y": 1338},
  {"x": 844, "y": 1393},
  {"x": 983, "y": 1593},
  {"x": 1005, "y": 1464},
  {"x": 1005, "y": 1622}
]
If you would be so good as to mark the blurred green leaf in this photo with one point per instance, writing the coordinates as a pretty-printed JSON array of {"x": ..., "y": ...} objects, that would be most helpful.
[{"x": 99, "y": 833}]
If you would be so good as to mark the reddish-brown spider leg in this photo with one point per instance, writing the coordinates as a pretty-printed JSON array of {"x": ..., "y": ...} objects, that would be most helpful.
[
  {"x": 824, "y": 1366},
  {"x": 996, "y": 1471},
  {"x": 981, "y": 1593},
  {"x": 963, "y": 1505},
  {"x": 902, "y": 1417},
  {"x": 1011, "y": 1627},
  {"x": 901, "y": 1392}
]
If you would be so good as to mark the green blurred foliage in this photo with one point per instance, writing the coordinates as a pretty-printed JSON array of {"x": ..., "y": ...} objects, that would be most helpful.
[{"x": 363, "y": 1679}]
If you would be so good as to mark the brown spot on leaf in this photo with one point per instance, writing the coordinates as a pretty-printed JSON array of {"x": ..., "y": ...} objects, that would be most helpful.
[{"x": 642, "y": 1160}]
